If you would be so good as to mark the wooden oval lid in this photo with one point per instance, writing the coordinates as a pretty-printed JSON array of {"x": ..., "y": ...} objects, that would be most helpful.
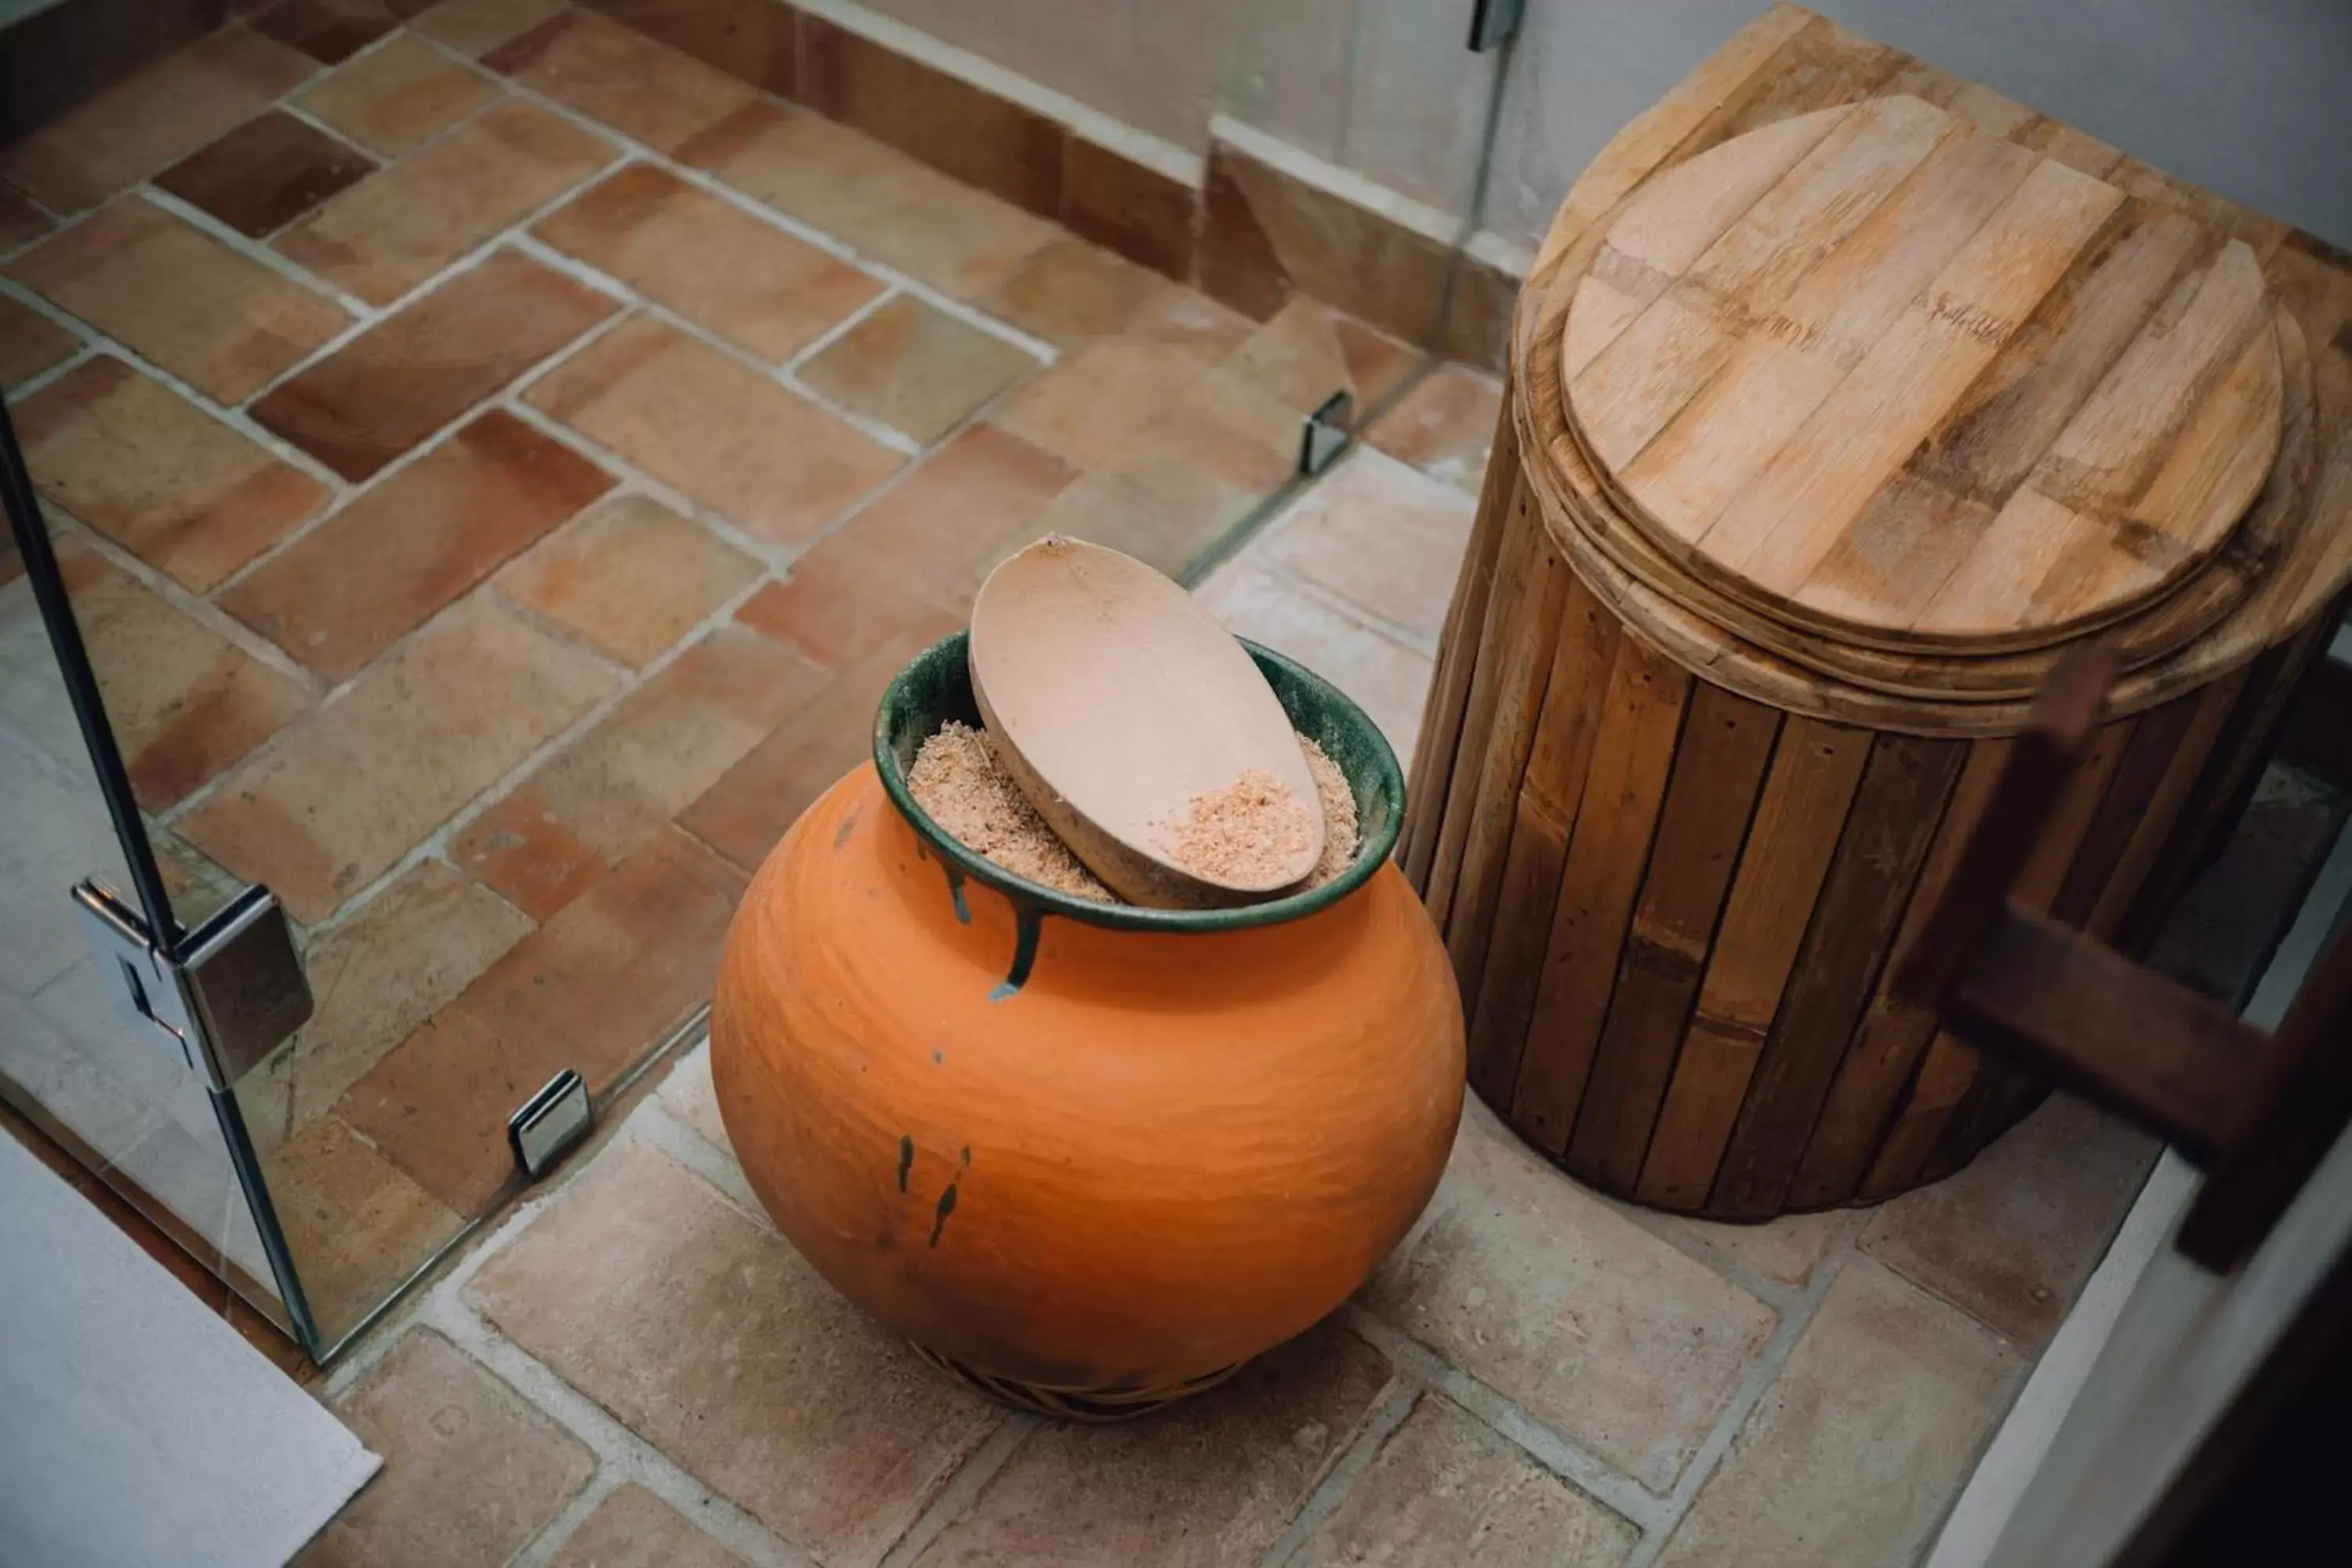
[
  {"x": 1121, "y": 706},
  {"x": 1888, "y": 378}
]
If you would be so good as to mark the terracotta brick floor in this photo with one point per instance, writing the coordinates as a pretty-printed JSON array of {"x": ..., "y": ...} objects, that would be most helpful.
[{"x": 497, "y": 462}]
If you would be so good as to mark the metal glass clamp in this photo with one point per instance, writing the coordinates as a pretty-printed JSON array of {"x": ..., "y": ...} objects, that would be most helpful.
[
  {"x": 1325, "y": 433},
  {"x": 233, "y": 996},
  {"x": 549, "y": 1122}
]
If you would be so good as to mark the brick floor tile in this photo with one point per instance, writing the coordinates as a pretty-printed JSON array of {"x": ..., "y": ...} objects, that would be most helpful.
[
  {"x": 1152, "y": 504},
  {"x": 631, "y": 576},
  {"x": 264, "y": 173},
  {"x": 427, "y": 729},
  {"x": 1387, "y": 540},
  {"x": 380, "y": 974},
  {"x": 1445, "y": 427},
  {"x": 1086, "y": 408},
  {"x": 709, "y": 261},
  {"x": 644, "y": 89},
  {"x": 710, "y": 1338},
  {"x": 478, "y": 26},
  {"x": 184, "y": 701},
  {"x": 1598, "y": 1330},
  {"x": 21, "y": 222},
  {"x": 915, "y": 368},
  {"x": 1072, "y": 293},
  {"x": 326, "y": 30},
  {"x": 604, "y": 796},
  {"x": 395, "y": 97},
  {"x": 389, "y": 389},
  {"x": 960, "y": 240},
  {"x": 765, "y": 459},
  {"x": 1785, "y": 1250},
  {"x": 688, "y": 1093},
  {"x": 355, "y": 1226},
  {"x": 1385, "y": 678},
  {"x": 918, "y": 552},
  {"x": 470, "y": 1470},
  {"x": 121, "y": 137},
  {"x": 743, "y": 815},
  {"x": 1309, "y": 350},
  {"x": 392, "y": 559},
  {"x": 1208, "y": 1483},
  {"x": 1443, "y": 1490},
  {"x": 592, "y": 990},
  {"x": 396, "y": 229},
  {"x": 634, "y": 1529},
  {"x": 2012, "y": 1238},
  {"x": 180, "y": 296},
  {"x": 1856, "y": 1447},
  {"x": 161, "y": 477}
]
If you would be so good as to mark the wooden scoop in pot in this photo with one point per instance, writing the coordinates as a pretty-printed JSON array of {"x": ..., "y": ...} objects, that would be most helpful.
[{"x": 1140, "y": 730}]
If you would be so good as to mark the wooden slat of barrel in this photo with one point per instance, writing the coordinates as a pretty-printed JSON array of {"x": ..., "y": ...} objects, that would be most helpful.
[
  {"x": 1719, "y": 771},
  {"x": 1950, "y": 1067},
  {"x": 1466, "y": 612},
  {"x": 1519, "y": 558},
  {"x": 1641, "y": 719},
  {"x": 1887, "y": 1046},
  {"x": 1502, "y": 764},
  {"x": 1801, "y": 812},
  {"x": 1550, "y": 796},
  {"x": 1901, "y": 798}
]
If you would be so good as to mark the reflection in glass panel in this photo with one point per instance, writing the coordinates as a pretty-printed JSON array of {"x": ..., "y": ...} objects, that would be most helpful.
[{"x": 116, "y": 1092}]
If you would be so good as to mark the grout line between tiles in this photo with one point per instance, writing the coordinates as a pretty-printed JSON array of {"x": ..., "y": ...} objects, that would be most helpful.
[
  {"x": 773, "y": 556},
  {"x": 1589, "y": 1474},
  {"x": 204, "y": 223},
  {"x": 863, "y": 423},
  {"x": 234, "y": 416},
  {"x": 84, "y": 351},
  {"x": 288, "y": 107},
  {"x": 964, "y": 1488},
  {"x": 786, "y": 223},
  {"x": 842, "y": 329},
  {"x": 619, "y": 1452},
  {"x": 352, "y": 492},
  {"x": 1394, "y": 1408},
  {"x": 197, "y": 608},
  {"x": 1763, "y": 1371},
  {"x": 437, "y": 844}
]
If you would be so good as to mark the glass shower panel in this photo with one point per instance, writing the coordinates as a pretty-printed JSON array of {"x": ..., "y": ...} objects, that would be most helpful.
[{"x": 118, "y": 1092}]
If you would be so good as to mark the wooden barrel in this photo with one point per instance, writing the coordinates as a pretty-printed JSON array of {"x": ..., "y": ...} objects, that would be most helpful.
[{"x": 1688, "y": 780}]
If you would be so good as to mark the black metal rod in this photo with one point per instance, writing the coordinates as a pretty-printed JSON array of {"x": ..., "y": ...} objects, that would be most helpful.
[{"x": 81, "y": 686}]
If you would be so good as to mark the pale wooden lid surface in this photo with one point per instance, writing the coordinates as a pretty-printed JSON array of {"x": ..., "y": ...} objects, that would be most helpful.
[{"x": 1883, "y": 375}]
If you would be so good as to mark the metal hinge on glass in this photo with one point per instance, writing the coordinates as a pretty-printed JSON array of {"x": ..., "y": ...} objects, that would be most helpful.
[{"x": 231, "y": 997}]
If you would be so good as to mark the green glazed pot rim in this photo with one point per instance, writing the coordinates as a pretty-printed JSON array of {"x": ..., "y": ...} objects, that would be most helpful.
[{"x": 936, "y": 686}]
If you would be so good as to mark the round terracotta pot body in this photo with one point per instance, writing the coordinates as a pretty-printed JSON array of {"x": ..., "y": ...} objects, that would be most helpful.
[{"x": 1159, "y": 1152}]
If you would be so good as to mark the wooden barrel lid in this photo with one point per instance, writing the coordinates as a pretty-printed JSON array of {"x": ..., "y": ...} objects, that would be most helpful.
[{"x": 1876, "y": 375}]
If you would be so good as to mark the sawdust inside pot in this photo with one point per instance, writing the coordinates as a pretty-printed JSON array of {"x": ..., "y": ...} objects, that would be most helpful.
[{"x": 958, "y": 782}]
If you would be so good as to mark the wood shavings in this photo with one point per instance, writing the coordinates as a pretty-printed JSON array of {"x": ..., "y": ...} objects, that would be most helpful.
[{"x": 958, "y": 782}]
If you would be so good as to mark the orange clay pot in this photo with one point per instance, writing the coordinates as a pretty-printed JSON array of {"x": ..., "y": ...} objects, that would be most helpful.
[{"x": 1163, "y": 1143}]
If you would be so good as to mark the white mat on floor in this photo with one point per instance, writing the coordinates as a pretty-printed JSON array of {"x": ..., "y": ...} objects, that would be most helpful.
[{"x": 136, "y": 1426}]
